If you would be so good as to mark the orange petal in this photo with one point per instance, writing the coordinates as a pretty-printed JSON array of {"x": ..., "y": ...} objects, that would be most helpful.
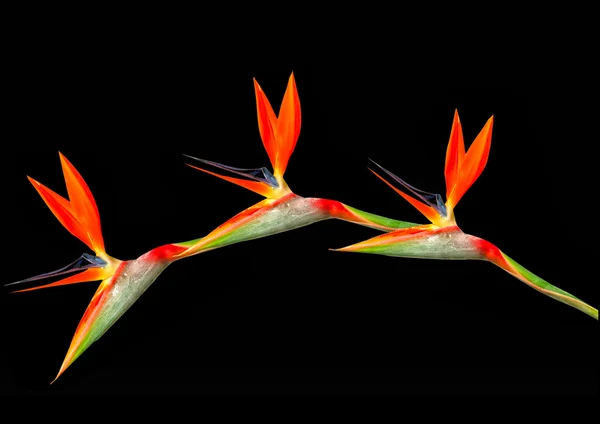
[
  {"x": 473, "y": 163},
  {"x": 92, "y": 274},
  {"x": 83, "y": 204},
  {"x": 288, "y": 126},
  {"x": 267, "y": 123},
  {"x": 255, "y": 186},
  {"x": 430, "y": 213},
  {"x": 62, "y": 210},
  {"x": 454, "y": 154}
]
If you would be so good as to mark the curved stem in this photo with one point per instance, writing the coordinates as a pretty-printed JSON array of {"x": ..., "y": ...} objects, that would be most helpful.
[{"x": 541, "y": 285}]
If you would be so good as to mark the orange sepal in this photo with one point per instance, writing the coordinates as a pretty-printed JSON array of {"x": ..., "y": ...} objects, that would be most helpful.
[
  {"x": 83, "y": 204},
  {"x": 473, "y": 163},
  {"x": 289, "y": 122},
  {"x": 454, "y": 154},
  {"x": 62, "y": 210},
  {"x": 267, "y": 123},
  {"x": 430, "y": 213},
  {"x": 255, "y": 186},
  {"x": 279, "y": 133},
  {"x": 92, "y": 274}
]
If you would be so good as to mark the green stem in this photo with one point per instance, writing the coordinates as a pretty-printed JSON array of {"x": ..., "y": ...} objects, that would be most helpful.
[
  {"x": 380, "y": 221},
  {"x": 548, "y": 289}
]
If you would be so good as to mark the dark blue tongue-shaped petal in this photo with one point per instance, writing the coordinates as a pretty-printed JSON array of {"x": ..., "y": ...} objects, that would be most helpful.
[
  {"x": 86, "y": 261},
  {"x": 431, "y": 199},
  {"x": 258, "y": 174}
]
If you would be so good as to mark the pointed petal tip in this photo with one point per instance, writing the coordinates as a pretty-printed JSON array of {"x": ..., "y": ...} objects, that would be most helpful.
[
  {"x": 57, "y": 375},
  {"x": 19, "y": 291},
  {"x": 63, "y": 159},
  {"x": 67, "y": 362},
  {"x": 346, "y": 249},
  {"x": 340, "y": 249},
  {"x": 60, "y": 372}
]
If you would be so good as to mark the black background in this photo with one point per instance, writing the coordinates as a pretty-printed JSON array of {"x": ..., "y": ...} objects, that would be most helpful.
[{"x": 283, "y": 314}]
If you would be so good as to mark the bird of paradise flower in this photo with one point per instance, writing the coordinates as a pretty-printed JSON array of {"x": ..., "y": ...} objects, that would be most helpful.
[
  {"x": 123, "y": 282},
  {"x": 443, "y": 239}
]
